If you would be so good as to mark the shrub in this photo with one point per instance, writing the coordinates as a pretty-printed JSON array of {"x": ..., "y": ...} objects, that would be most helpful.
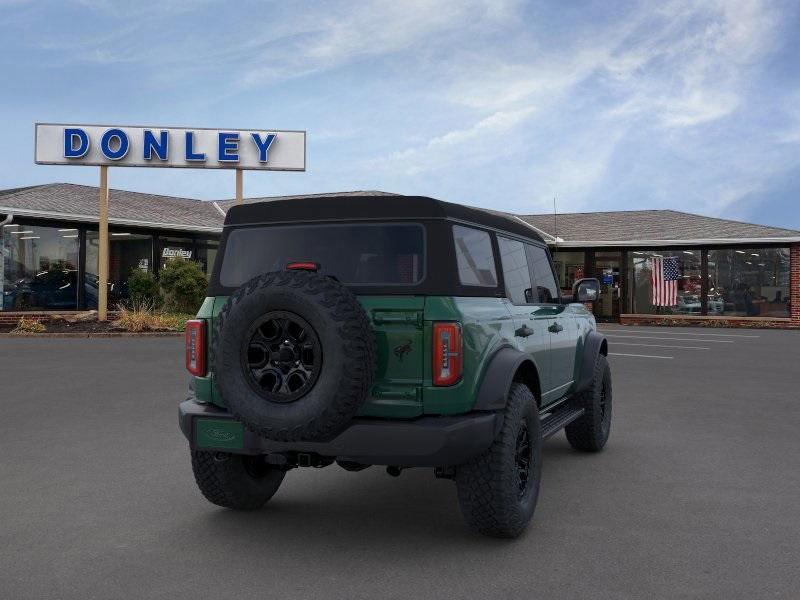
[
  {"x": 143, "y": 317},
  {"x": 143, "y": 289},
  {"x": 183, "y": 286},
  {"x": 26, "y": 325},
  {"x": 177, "y": 321}
]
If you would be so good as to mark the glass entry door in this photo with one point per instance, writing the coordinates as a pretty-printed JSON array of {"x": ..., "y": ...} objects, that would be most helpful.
[{"x": 607, "y": 268}]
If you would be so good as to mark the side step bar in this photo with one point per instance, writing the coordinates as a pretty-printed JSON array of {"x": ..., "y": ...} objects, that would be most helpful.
[{"x": 558, "y": 419}]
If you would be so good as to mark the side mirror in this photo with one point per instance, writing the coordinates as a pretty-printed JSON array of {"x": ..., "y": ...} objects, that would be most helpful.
[{"x": 586, "y": 290}]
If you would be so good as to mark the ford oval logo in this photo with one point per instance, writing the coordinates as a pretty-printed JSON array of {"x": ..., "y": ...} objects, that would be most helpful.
[{"x": 220, "y": 435}]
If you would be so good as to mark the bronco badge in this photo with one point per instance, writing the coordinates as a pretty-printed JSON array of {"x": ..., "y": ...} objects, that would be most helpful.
[{"x": 403, "y": 349}]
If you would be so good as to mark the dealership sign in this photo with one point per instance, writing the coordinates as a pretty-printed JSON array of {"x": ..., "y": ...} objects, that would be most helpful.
[
  {"x": 176, "y": 253},
  {"x": 110, "y": 145}
]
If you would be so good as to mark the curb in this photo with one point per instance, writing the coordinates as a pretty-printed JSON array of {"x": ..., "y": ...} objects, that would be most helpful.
[{"x": 100, "y": 334}]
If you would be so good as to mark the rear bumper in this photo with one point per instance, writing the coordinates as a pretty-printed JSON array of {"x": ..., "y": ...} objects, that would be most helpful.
[{"x": 423, "y": 442}]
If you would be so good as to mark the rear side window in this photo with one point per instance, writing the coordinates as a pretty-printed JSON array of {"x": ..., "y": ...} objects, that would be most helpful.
[
  {"x": 356, "y": 254},
  {"x": 474, "y": 257},
  {"x": 545, "y": 289},
  {"x": 516, "y": 275}
]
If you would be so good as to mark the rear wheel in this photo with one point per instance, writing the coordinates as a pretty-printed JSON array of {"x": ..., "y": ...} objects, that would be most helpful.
[
  {"x": 234, "y": 480},
  {"x": 498, "y": 490}
]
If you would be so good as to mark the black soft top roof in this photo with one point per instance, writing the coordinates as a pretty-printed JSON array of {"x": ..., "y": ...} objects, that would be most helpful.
[{"x": 348, "y": 208}]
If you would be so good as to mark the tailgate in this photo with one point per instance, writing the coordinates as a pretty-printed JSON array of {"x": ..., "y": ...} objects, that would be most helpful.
[{"x": 398, "y": 325}]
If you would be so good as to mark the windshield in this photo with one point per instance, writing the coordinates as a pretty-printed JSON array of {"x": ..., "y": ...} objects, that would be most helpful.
[{"x": 356, "y": 254}]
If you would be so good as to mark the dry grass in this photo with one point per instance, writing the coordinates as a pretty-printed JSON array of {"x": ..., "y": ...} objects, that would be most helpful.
[
  {"x": 26, "y": 325},
  {"x": 142, "y": 317}
]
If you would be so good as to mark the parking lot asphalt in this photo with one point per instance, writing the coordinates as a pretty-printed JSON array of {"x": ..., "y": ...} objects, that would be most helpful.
[{"x": 697, "y": 494}]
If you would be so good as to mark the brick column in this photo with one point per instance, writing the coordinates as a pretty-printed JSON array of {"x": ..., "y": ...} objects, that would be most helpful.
[{"x": 794, "y": 283}]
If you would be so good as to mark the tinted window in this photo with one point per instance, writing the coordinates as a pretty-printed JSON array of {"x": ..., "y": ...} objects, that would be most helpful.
[
  {"x": 516, "y": 275},
  {"x": 475, "y": 257},
  {"x": 542, "y": 275},
  {"x": 356, "y": 254}
]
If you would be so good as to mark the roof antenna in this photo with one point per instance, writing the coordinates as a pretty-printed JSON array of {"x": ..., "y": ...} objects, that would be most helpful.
[{"x": 555, "y": 222}]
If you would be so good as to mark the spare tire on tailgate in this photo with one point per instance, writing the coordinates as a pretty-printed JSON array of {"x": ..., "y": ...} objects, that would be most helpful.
[{"x": 293, "y": 355}]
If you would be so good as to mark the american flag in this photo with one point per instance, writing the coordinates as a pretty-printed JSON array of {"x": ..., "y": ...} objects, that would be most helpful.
[{"x": 664, "y": 277}]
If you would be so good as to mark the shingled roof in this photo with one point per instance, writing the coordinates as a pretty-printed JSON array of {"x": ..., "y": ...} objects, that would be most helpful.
[
  {"x": 657, "y": 227},
  {"x": 70, "y": 202}
]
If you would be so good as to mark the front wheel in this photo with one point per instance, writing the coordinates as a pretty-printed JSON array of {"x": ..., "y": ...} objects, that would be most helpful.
[
  {"x": 498, "y": 490},
  {"x": 590, "y": 432},
  {"x": 234, "y": 480}
]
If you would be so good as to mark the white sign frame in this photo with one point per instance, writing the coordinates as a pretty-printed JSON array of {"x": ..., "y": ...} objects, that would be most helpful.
[{"x": 286, "y": 151}]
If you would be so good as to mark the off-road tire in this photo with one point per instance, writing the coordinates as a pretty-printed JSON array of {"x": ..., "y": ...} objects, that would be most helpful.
[
  {"x": 488, "y": 485},
  {"x": 234, "y": 480},
  {"x": 347, "y": 349},
  {"x": 590, "y": 432}
]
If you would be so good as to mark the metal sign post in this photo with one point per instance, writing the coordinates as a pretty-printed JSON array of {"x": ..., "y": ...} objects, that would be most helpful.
[
  {"x": 239, "y": 186},
  {"x": 176, "y": 147},
  {"x": 103, "y": 253}
]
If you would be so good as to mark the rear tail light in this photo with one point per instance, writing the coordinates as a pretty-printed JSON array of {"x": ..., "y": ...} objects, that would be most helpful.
[
  {"x": 196, "y": 347},
  {"x": 447, "y": 353}
]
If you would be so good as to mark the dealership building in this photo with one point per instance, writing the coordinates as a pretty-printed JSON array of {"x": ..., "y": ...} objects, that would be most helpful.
[{"x": 719, "y": 271}]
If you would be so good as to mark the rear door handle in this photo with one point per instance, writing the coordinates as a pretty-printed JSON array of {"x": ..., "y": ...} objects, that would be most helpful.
[
  {"x": 555, "y": 328},
  {"x": 523, "y": 331}
]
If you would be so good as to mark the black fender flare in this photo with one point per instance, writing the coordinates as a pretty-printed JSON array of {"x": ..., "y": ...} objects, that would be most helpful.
[
  {"x": 594, "y": 345},
  {"x": 499, "y": 374}
]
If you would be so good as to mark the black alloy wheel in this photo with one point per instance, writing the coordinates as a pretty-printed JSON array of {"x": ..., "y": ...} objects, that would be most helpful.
[
  {"x": 523, "y": 457},
  {"x": 282, "y": 356},
  {"x": 590, "y": 432}
]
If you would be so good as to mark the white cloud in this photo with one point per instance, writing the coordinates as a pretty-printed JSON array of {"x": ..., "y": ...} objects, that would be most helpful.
[
  {"x": 373, "y": 28},
  {"x": 681, "y": 67},
  {"x": 693, "y": 68},
  {"x": 478, "y": 143}
]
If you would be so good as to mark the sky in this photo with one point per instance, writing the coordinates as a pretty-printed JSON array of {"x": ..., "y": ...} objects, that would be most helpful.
[{"x": 504, "y": 104}]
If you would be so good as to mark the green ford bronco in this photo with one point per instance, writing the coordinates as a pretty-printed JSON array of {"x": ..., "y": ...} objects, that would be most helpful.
[{"x": 390, "y": 330}]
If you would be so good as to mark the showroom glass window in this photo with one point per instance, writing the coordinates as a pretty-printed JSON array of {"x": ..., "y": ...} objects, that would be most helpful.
[
  {"x": 646, "y": 296},
  {"x": 746, "y": 282},
  {"x": 39, "y": 268},
  {"x": 128, "y": 251},
  {"x": 516, "y": 275},
  {"x": 569, "y": 266},
  {"x": 176, "y": 247},
  {"x": 206, "y": 255},
  {"x": 474, "y": 256}
]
